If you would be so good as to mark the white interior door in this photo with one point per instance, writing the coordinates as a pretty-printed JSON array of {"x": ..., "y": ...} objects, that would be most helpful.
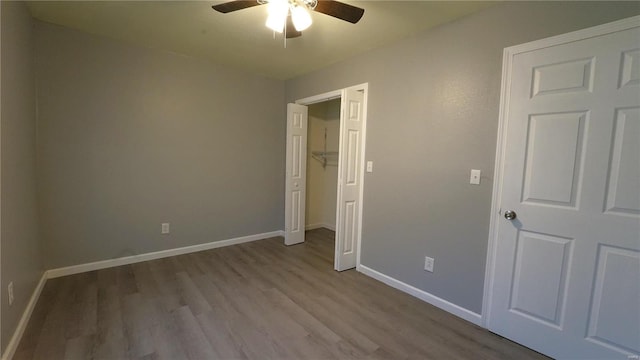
[
  {"x": 567, "y": 269},
  {"x": 296, "y": 174},
  {"x": 349, "y": 179}
]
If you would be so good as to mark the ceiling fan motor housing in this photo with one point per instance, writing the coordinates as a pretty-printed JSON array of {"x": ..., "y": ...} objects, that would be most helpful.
[
  {"x": 311, "y": 4},
  {"x": 332, "y": 8}
]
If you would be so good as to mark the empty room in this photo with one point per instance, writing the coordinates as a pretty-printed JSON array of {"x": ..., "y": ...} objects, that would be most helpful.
[{"x": 316, "y": 179}]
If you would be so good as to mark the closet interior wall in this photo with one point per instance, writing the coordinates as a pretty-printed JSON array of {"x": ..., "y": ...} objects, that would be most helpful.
[{"x": 322, "y": 176}]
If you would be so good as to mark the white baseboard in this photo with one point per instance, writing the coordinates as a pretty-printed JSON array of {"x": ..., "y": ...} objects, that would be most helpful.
[
  {"x": 76, "y": 269},
  {"x": 423, "y": 295},
  {"x": 312, "y": 226},
  {"x": 329, "y": 226},
  {"x": 318, "y": 226},
  {"x": 12, "y": 346}
]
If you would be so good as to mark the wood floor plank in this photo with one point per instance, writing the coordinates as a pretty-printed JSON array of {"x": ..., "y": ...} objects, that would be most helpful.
[
  {"x": 165, "y": 342},
  {"x": 51, "y": 339},
  {"x": 79, "y": 348},
  {"x": 191, "y": 335},
  {"x": 257, "y": 300},
  {"x": 225, "y": 343},
  {"x": 192, "y": 296},
  {"x": 312, "y": 325}
]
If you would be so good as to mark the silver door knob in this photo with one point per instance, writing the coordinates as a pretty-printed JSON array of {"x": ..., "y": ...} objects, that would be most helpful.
[{"x": 510, "y": 215}]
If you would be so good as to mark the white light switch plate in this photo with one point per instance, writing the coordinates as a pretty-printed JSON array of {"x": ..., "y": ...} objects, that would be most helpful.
[
  {"x": 369, "y": 166},
  {"x": 475, "y": 177}
]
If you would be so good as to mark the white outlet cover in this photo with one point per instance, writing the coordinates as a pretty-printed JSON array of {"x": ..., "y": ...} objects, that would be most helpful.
[
  {"x": 165, "y": 228},
  {"x": 428, "y": 264},
  {"x": 10, "y": 292}
]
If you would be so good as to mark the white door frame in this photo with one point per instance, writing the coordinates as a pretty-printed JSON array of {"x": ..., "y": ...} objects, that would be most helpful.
[
  {"x": 335, "y": 94},
  {"x": 507, "y": 61}
]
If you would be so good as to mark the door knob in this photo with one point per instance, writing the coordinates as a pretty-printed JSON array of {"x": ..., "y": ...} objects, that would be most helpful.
[{"x": 510, "y": 215}]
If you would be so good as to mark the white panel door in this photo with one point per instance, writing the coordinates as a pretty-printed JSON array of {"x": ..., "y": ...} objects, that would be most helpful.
[
  {"x": 296, "y": 174},
  {"x": 349, "y": 179},
  {"x": 566, "y": 280}
]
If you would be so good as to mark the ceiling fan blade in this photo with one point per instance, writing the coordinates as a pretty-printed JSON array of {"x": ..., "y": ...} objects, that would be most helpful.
[
  {"x": 340, "y": 10},
  {"x": 291, "y": 29},
  {"x": 235, "y": 5}
]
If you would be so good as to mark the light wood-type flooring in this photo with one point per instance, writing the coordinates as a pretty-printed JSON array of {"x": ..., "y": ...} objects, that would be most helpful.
[{"x": 258, "y": 300}]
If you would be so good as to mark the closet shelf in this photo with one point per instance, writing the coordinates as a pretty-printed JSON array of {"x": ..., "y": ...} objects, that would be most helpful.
[{"x": 326, "y": 157}]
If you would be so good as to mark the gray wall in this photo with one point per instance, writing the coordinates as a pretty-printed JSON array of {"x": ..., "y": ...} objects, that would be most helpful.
[
  {"x": 433, "y": 116},
  {"x": 130, "y": 137},
  {"x": 21, "y": 261}
]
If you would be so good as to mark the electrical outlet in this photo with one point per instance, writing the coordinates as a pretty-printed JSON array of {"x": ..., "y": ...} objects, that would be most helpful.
[
  {"x": 165, "y": 228},
  {"x": 428, "y": 264},
  {"x": 10, "y": 292}
]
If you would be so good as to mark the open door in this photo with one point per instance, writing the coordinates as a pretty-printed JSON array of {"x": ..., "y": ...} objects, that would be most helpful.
[
  {"x": 566, "y": 269},
  {"x": 296, "y": 174},
  {"x": 349, "y": 179}
]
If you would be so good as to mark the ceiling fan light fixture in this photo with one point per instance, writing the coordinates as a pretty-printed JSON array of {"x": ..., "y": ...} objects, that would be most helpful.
[
  {"x": 278, "y": 11},
  {"x": 301, "y": 17}
]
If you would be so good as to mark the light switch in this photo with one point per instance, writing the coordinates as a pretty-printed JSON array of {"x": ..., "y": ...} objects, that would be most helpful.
[
  {"x": 369, "y": 166},
  {"x": 475, "y": 177}
]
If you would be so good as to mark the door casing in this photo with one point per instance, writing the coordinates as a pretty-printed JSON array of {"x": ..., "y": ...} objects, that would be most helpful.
[{"x": 335, "y": 94}]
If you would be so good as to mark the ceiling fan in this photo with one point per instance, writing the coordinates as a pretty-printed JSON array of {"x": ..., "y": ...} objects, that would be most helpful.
[{"x": 292, "y": 16}]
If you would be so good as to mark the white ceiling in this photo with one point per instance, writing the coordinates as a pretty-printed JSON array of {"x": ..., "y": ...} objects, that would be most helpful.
[{"x": 241, "y": 40}]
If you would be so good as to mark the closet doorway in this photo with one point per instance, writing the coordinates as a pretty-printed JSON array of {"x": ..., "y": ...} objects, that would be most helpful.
[
  {"x": 325, "y": 169},
  {"x": 323, "y": 135}
]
